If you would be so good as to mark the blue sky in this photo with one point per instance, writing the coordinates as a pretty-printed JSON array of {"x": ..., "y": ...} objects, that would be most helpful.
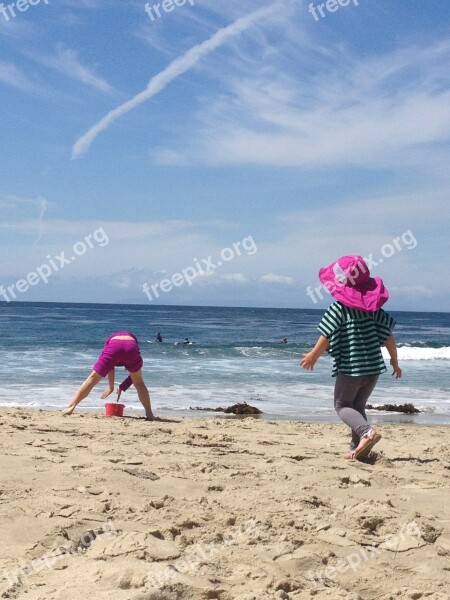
[{"x": 217, "y": 121}]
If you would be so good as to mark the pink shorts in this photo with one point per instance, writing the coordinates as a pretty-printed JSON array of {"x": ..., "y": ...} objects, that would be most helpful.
[{"x": 119, "y": 353}]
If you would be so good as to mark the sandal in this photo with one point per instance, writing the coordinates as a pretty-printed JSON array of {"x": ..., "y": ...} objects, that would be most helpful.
[{"x": 366, "y": 444}]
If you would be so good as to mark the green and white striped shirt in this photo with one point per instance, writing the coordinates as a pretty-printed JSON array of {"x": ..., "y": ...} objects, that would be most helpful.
[{"x": 356, "y": 338}]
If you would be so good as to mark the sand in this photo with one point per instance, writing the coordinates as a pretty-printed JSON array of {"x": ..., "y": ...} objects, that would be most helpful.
[{"x": 233, "y": 509}]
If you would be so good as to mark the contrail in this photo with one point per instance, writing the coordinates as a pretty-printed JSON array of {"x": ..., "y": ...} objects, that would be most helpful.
[{"x": 176, "y": 68}]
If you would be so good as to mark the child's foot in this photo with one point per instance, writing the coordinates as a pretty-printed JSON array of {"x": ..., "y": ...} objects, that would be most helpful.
[
  {"x": 150, "y": 417},
  {"x": 68, "y": 410},
  {"x": 366, "y": 444}
]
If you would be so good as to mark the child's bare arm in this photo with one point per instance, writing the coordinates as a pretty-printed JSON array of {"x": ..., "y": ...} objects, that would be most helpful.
[
  {"x": 110, "y": 389},
  {"x": 310, "y": 358},
  {"x": 392, "y": 349}
]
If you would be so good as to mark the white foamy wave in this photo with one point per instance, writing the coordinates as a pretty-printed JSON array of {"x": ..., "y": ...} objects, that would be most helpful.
[
  {"x": 258, "y": 351},
  {"x": 414, "y": 353},
  {"x": 302, "y": 400}
]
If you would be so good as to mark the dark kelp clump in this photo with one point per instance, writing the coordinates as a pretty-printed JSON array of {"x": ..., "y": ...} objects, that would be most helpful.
[{"x": 237, "y": 409}]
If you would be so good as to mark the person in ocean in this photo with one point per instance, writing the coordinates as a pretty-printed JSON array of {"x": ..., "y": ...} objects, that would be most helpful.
[
  {"x": 121, "y": 349},
  {"x": 353, "y": 330},
  {"x": 159, "y": 338}
]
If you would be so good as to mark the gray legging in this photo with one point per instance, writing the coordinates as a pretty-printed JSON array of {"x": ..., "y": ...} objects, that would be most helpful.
[{"x": 350, "y": 397}]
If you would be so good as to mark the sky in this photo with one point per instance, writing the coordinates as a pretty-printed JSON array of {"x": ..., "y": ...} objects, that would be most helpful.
[{"x": 222, "y": 152}]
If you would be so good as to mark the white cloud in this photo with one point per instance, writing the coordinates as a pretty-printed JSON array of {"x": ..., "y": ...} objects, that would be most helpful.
[
  {"x": 156, "y": 249},
  {"x": 84, "y": 4},
  {"x": 66, "y": 62},
  {"x": 17, "y": 30},
  {"x": 234, "y": 278},
  {"x": 370, "y": 112},
  {"x": 118, "y": 230},
  {"x": 300, "y": 243},
  {"x": 16, "y": 206},
  {"x": 417, "y": 291},
  {"x": 14, "y": 77},
  {"x": 271, "y": 278},
  {"x": 120, "y": 281}
]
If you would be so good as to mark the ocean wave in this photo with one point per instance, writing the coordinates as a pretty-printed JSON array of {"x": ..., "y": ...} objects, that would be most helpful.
[
  {"x": 419, "y": 344},
  {"x": 421, "y": 353},
  {"x": 292, "y": 401},
  {"x": 266, "y": 351}
]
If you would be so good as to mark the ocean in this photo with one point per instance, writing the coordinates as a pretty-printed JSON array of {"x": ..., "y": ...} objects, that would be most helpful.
[{"x": 48, "y": 349}]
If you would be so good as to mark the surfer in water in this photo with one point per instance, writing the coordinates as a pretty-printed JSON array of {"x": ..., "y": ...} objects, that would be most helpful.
[{"x": 159, "y": 338}]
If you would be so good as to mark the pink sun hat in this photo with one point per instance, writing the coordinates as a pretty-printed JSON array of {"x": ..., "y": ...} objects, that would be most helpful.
[{"x": 348, "y": 280}]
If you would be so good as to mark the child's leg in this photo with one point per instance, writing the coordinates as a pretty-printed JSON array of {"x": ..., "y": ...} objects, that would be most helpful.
[
  {"x": 346, "y": 390},
  {"x": 359, "y": 404},
  {"x": 143, "y": 394},
  {"x": 83, "y": 391}
]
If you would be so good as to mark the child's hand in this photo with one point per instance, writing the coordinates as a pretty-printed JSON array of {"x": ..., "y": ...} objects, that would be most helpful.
[
  {"x": 308, "y": 361},
  {"x": 106, "y": 393},
  {"x": 396, "y": 369},
  {"x": 119, "y": 391}
]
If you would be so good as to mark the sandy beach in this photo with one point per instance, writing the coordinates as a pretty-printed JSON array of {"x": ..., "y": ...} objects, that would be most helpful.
[{"x": 233, "y": 509}]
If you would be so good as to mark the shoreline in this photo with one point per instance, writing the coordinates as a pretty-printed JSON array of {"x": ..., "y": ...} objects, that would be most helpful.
[
  {"x": 422, "y": 419},
  {"x": 219, "y": 508}
]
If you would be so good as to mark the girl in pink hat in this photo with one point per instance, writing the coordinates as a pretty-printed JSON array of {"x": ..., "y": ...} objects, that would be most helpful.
[{"x": 353, "y": 330}]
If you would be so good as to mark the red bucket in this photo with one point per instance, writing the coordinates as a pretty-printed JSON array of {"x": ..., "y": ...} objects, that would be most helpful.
[{"x": 112, "y": 409}]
